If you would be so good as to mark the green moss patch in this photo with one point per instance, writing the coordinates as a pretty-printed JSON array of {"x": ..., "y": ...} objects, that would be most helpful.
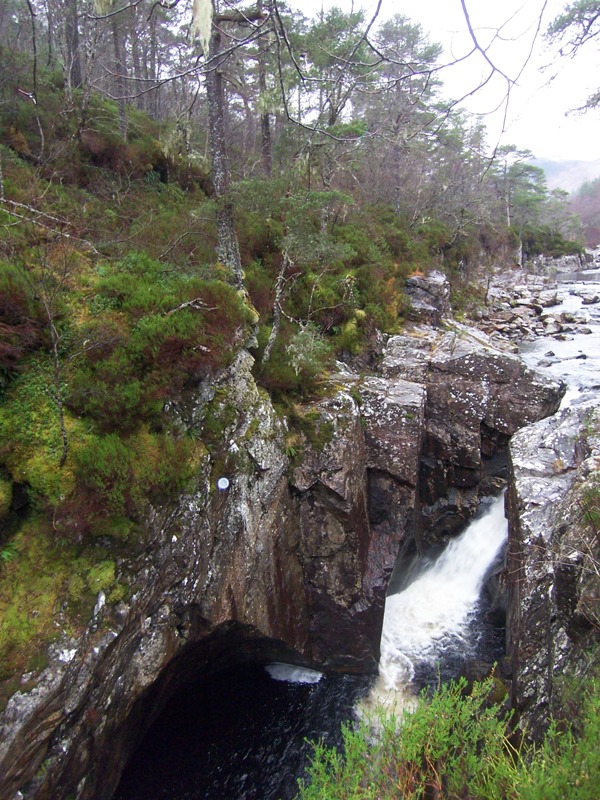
[{"x": 50, "y": 586}]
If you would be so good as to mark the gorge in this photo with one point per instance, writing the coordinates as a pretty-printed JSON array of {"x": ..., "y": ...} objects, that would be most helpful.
[{"x": 291, "y": 562}]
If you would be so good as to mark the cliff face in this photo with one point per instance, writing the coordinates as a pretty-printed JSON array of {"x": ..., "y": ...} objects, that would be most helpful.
[
  {"x": 219, "y": 573},
  {"x": 290, "y": 562},
  {"x": 554, "y": 556},
  {"x": 477, "y": 397}
]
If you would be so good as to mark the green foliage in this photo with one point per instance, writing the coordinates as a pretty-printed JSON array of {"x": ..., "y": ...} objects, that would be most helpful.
[
  {"x": 317, "y": 431},
  {"x": 575, "y": 26},
  {"x": 104, "y": 467},
  {"x": 153, "y": 332},
  {"x": 544, "y": 240},
  {"x": 6, "y": 494},
  {"x": 298, "y": 364},
  {"x": 30, "y": 438},
  {"x": 116, "y": 477},
  {"x": 20, "y": 319},
  {"x": 458, "y": 746},
  {"x": 308, "y": 351},
  {"x": 45, "y": 576}
]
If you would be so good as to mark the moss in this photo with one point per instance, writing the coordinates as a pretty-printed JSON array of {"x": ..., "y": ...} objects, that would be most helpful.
[
  {"x": 30, "y": 432},
  {"x": 51, "y": 580},
  {"x": 101, "y": 576},
  {"x": 6, "y": 494},
  {"x": 220, "y": 417},
  {"x": 317, "y": 431}
]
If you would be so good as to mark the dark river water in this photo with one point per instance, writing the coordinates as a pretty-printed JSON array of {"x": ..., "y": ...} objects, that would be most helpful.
[{"x": 245, "y": 736}]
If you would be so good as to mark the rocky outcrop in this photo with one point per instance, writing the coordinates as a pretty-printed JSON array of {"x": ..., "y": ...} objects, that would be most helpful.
[
  {"x": 554, "y": 557},
  {"x": 430, "y": 297},
  {"x": 527, "y": 310},
  {"x": 290, "y": 561},
  {"x": 477, "y": 397},
  {"x": 356, "y": 505},
  {"x": 284, "y": 564}
]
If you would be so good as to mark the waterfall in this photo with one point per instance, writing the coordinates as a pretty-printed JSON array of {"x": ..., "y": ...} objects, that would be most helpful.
[{"x": 430, "y": 617}]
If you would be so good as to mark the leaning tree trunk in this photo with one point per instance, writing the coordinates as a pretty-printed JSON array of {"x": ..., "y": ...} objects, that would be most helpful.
[
  {"x": 228, "y": 249},
  {"x": 279, "y": 287}
]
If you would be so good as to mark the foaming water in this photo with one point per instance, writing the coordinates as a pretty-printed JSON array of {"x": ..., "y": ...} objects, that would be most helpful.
[
  {"x": 291, "y": 674},
  {"x": 430, "y": 618}
]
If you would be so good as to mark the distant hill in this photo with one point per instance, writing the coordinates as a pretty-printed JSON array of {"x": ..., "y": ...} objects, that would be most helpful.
[{"x": 569, "y": 175}]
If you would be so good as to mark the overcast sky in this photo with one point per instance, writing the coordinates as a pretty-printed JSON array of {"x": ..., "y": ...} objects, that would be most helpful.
[{"x": 547, "y": 89}]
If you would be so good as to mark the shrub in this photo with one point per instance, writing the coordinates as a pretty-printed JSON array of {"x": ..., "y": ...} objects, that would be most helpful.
[
  {"x": 21, "y": 325},
  {"x": 457, "y": 746},
  {"x": 159, "y": 332},
  {"x": 45, "y": 574},
  {"x": 30, "y": 437},
  {"x": 117, "y": 477}
]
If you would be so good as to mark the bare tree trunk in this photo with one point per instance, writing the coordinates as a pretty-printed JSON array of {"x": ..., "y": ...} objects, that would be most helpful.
[
  {"x": 120, "y": 74},
  {"x": 72, "y": 42},
  {"x": 49, "y": 34},
  {"x": 266, "y": 146},
  {"x": 154, "y": 96},
  {"x": 33, "y": 95},
  {"x": 277, "y": 307},
  {"x": 228, "y": 249},
  {"x": 137, "y": 60}
]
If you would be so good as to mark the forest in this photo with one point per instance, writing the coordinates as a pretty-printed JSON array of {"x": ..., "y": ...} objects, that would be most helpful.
[{"x": 179, "y": 180}]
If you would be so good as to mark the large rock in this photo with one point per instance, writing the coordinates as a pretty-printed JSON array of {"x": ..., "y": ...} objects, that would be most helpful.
[
  {"x": 554, "y": 551},
  {"x": 357, "y": 496},
  {"x": 430, "y": 297},
  {"x": 477, "y": 397},
  {"x": 393, "y": 419}
]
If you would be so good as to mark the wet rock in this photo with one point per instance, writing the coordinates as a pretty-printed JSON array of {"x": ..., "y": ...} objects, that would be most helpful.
[
  {"x": 471, "y": 386},
  {"x": 430, "y": 297},
  {"x": 554, "y": 587},
  {"x": 335, "y": 545}
]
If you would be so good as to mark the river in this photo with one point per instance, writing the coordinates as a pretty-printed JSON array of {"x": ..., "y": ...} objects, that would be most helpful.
[
  {"x": 575, "y": 357},
  {"x": 245, "y": 735}
]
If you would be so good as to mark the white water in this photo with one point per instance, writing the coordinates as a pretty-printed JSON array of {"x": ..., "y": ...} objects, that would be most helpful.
[
  {"x": 431, "y": 615},
  {"x": 291, "y": 674}
]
